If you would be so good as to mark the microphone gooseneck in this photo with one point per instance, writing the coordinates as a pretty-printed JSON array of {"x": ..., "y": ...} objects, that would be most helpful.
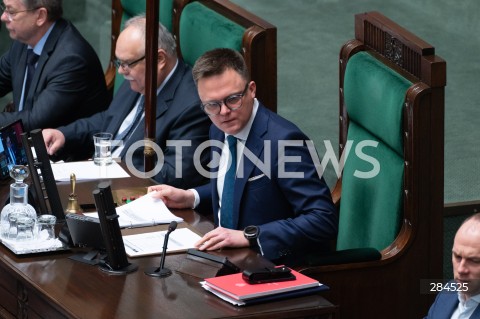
[
  {"x": 161, "y": 271},
  {"x": 171, "y": 227}
]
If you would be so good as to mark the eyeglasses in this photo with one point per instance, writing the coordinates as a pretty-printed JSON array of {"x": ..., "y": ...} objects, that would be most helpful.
[
  {"x": 126, "y": 65},
  {"x": 11, "y": 14},
  {"x": 232, "y": 102}
]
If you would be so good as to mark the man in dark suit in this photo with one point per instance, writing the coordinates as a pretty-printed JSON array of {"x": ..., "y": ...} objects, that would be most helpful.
[
  {"x": 460, "y": 298},
  {"x": 278, "y": 203},
  {"x": 63, "y": 81},
  {"x": 179, "y": 117}
]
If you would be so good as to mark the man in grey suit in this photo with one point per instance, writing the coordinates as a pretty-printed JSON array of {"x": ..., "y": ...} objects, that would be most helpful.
[
  {"x": 179, "y": 117},
  {"x": 461, "y": 298},
  {"x": 53, "y": 73}
]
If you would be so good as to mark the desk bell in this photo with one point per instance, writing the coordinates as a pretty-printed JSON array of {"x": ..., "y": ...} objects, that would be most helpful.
[{"x": 72, "y": 206}]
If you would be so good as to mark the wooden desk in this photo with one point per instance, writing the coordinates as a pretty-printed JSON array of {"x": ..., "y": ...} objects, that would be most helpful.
[{"x": 53, "y": 286}]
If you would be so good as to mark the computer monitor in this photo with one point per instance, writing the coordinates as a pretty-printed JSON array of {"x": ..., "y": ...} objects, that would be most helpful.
[{"x": 12, "y": 151}]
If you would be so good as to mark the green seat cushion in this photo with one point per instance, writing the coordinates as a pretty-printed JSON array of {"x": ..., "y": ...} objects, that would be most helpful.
[{"x": 202, "y": 29}]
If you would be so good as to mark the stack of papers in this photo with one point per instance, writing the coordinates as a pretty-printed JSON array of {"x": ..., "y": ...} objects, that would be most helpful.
[
  {"x": 152, "y": 243},
  {"x": 235, "y": 290},
  {"x": 142, "y": 212},
  {"x": 87, "y": 170}
]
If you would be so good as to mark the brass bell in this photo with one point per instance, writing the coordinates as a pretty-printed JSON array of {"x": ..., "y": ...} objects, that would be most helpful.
[{"x": 72, "y": 206}]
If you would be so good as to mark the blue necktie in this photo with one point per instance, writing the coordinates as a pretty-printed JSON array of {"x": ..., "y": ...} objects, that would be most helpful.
[
  {"x": 229, "y": 185},
  {"x": 32, "y": 59}
]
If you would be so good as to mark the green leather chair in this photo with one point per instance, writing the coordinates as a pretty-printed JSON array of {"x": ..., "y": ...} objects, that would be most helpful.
[
  {"x": 390, "y": 194},
  {"x": 203, "y": 25}
]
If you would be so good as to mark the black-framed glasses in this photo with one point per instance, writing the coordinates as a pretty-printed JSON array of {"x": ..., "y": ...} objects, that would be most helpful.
[
  {"x": 11, "y": 14},
  {"x": 126, "y": 65},
  {"x": 232, "y": 102}
]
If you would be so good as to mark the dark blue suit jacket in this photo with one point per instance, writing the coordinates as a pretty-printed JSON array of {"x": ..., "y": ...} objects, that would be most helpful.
[
  {"x": 444, "y": 306},
  {"x": 178, "y": 117},
  {"x": 295, "y": 215},
  {"x": 68, "y": 84}
]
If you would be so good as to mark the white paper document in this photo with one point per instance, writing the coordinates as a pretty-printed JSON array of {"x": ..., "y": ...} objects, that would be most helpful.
[
  {"x": 152, "y": 243},
  {"x": 144, "y": 211},
  {"x": 87, "y": 170}
]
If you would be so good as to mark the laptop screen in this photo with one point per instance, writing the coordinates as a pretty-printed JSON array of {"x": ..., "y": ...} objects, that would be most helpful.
[{"x": 11, "y": 148}]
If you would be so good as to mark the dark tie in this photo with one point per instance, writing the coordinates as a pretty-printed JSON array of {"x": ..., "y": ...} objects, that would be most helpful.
[
  {"x": 32, "y": 59},
  {"x": 125, "y": 134},
  {"x": 229, "y": 185}
]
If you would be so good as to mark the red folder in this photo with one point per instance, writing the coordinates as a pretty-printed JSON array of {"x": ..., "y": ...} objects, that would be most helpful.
[{"x": 234, "y": 286}]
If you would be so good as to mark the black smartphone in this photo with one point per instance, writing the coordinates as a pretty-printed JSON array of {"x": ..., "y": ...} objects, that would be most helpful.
[{"x": 264, "y": 275}]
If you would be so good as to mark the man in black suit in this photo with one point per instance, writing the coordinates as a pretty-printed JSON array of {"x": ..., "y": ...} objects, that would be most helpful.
[
  {"x": 65, "y": 80},
  {"x": 179, "y": 117}
]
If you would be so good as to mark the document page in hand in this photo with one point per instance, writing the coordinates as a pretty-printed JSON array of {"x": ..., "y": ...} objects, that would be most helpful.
[{"x": 144, "y": 211}]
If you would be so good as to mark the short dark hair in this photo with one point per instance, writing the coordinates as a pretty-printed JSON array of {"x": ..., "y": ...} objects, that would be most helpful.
[
  {"x": 217, "y": 61},
  {"x": 54, "y": 7}
]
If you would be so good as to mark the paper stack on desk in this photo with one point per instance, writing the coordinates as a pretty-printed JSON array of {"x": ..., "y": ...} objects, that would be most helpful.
[
  {"x": 144, "y": 211},
  {"x": 87, "y": 170},
  {"x": 152, "y": 243},
  {"x": 235, "y": 290}
]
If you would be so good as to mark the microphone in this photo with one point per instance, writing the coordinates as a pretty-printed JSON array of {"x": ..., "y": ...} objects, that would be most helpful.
[{"x": 162, "y": 271}]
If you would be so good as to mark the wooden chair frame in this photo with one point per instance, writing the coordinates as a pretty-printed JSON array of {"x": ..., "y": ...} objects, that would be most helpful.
[{"x": 392, "y": 286}]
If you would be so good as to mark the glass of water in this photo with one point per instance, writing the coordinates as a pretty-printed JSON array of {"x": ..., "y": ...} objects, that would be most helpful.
[{"x": 103, "y": 148}]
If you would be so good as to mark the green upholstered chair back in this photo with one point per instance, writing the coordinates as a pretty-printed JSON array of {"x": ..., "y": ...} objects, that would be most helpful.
[
  {"x": 371, "y": 205},
  {"x": 203, "y": 25},
  {"x": 135, "y": 7},
  {"x": 131, "y": 8},
  {"x": 199, "y": 26},
  {"x": 202, "y": 29}
]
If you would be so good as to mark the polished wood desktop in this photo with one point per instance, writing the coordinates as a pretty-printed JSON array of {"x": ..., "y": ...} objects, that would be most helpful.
[{"x": 54, "y": 286}]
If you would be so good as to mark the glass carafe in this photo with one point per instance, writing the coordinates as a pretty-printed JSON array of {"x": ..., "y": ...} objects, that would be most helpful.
[{"x": 18, "y": 212}]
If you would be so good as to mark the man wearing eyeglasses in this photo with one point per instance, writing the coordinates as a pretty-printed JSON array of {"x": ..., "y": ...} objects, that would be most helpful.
[
  {"x": 178, "y": 114},
  {"x": 53, "y": 73},
  {"x": 253, "y": 203}
]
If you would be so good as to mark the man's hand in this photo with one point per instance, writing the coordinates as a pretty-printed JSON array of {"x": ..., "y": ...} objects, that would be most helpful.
[
  {"x": 54, "y": 140},
  {"x": 173, "y": 197},
  {"x": 222, "y": 237}
]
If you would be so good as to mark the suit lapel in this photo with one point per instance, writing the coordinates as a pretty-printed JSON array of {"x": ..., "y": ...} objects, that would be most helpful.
[
  {"x": 163, "y": 99},
  {"x": 476, "y": 313},
  {"x": 216, "y": 135},
  {"x": 255, "y": 144},
  {"x": 48, "y": 48},
  {"x": 19, "y": 79},
  {"x": 128, "y": 97}
]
